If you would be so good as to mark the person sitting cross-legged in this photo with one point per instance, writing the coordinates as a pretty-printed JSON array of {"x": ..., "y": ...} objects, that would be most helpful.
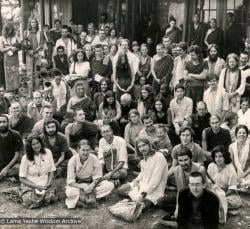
[
  {"x": 150, "y": 184},
  {"x": 113, "y": 155},
  {"x": 85, "y": 183},
  {"x": 181, "y": 175},
  {"x": 36, "y": 173}
]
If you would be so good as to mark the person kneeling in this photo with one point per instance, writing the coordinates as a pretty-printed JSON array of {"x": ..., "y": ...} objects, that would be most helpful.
[
  {"x": 150, "y": 184},
  {"x": 84, "y": 178}
]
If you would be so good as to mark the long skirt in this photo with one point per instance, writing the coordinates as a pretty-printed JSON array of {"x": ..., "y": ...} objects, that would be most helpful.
[
  {"x": 29, "y": 198},
  {"x": 73, "y": 194},
  {"x": 11, "y": 69}
]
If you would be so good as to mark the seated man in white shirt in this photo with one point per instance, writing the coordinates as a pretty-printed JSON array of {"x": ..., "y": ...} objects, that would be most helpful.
[
  {"x": 244, "y": 113},
  {"x": 180, "y": 106},
  {"x": 113, "y": 155},
  {"x": 150, "y": 184}
]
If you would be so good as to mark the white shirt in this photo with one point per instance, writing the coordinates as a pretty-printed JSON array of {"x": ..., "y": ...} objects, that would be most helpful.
[
  {"x": 244, "y": 118},
  {"x": 152, "y": 179},
  {"x": 37, "y": 170},
  {"x": 119, "y": 144}
]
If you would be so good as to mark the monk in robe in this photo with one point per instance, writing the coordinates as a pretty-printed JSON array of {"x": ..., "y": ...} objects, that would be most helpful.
[{"x": 162, "y": 67}]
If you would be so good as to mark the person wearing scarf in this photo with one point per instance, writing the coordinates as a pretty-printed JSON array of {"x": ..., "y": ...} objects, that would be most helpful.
[{"x": 233, "y": 81}]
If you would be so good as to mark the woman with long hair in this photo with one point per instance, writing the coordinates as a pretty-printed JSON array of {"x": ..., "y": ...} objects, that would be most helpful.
[
  {"x": 146, "y": 101},
  {"x": 9, "y": 47},
  {"x": 159, "y": 113},
  {"x": 36, "y": 173},
  {"x": 110, "y": 104},
  {"x": 124, "y": 77},
  {"x": 223, "y": 174}
]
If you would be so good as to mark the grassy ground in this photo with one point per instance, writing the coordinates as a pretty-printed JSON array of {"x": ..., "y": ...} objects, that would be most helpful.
[{"x": 100, "y": 218}]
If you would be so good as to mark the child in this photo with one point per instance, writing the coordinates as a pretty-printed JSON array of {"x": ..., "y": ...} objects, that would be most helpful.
[{"x": 162, "y": 143}]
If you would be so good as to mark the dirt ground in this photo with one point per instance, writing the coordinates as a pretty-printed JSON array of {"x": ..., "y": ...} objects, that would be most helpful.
[{"x": 99, "y": 218}]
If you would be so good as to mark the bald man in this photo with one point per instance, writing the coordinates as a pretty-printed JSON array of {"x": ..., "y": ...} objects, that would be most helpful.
[
  {"x": 18, "y": 121},
  {"x": 200, "y": 121},
  {"x": 127, "y": 104},
  {"x": 34, "y": 108}
]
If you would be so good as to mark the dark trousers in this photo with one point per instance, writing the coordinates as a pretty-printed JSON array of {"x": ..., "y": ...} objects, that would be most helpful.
[{"x": 196, "y": 94}]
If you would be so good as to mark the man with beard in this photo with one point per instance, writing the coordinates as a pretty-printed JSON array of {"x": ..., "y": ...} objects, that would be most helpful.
[
  {"x": 56, "y": 142},
  {"x": 81, "y": 129},
  {"x": 215, "y": 63},
  {"x": 18, "y": 121},
  {"x": 47, "y": 115},
  {"x": 150, "y": 184},
  {"x": 215, "y": 135},
  {"x": 232, "y": 80},
  {"x": 11, "y": 146},
  {"x": 113, "y": 155},
  {"x": 217, "y": 100},
  {"x": 181, "y": 175}
]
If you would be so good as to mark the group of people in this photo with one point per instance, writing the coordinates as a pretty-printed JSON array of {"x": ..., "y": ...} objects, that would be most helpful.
[{"x": 159, "y": 124}]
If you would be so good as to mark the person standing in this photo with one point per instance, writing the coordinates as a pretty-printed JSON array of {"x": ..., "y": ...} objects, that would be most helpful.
[
  {"x": 197, "y": 32},
  {"x": 161, "y": 68},
  {"x": 8, "y": 45},
  {"x": 125, "y": 77},
  {"x": 195, "y": 74},
  {"x": 215, "y": 63},
  {"x": 35, "y": 41},
  {"x": 234, "y": 36},
  {"x": 214, "y": 36}
]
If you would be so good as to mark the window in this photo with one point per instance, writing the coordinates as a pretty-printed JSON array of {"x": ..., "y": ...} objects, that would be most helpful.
[
  {"x": 239, "y": 8},
  {"x": 208, "y": 9}
]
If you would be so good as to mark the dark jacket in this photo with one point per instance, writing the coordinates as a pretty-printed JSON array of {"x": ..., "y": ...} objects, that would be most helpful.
[
  {"x": 209, "y": 209},
  {"x": 62, "y": 66}
]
